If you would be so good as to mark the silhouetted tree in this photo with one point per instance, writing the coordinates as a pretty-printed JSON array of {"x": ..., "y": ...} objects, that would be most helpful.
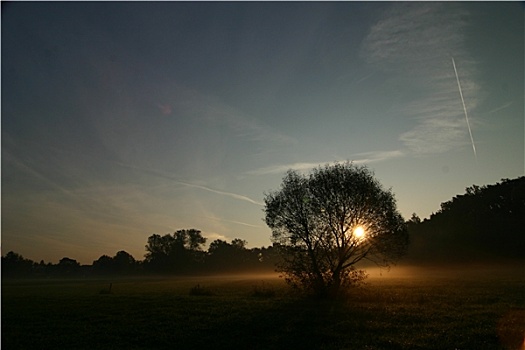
[
  {"x": 193, "y": 239},
  {"x": 414, "y": 219},
  {"x": 484, "y": 224},
  {"x": 263, "y": 259},
  {"x": 104, "y": 265},
  {"x": 122, "y": 263},
  {"x": 181, "y": 252},
  {"x": 228, "y": 257},
  {"x": 15, "y": 265},
  {"x": 68, "y": 267},
  {"x": 328, "y": 221},
  {"x": 125, "y": 263},
  {"x": 41, "y": 269}
]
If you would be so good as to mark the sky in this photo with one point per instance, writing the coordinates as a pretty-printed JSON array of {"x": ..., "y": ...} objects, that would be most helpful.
[{"x": 125, "y": 119}]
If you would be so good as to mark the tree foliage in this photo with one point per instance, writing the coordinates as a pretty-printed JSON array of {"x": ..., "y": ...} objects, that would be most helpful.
[
  {"x": 226, "y": 257},
  {"x": 483, "y": 224},
  {"x": 179, "y": 252},
  {"x": 14, "y": 264},
  {"x": 315, "y": 219},
  {"x": 122, "y": 263}
]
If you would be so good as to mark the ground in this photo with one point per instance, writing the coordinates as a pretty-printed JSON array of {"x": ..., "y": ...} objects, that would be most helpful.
[{"x": 403, "y": 309}]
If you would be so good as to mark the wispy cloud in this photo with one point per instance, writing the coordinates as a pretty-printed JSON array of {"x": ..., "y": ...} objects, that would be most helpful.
[
  {"x": 192, "y": 185},
  {"x": 281, "y": 168},
  {"x": 412, "y": 35},
  {"x": 212, "y": 236},
  {"x": 414, "y": 43},
  {"x": 227, "y": 194},
  {"x": 359, "y": 158},
  {"x": 502, "y": 107},
  {"x": 435, "y": 136},
  {"x": 20, "y": 163},
  {"x": 372, "y": 157},
  {"x": 215, "y": 113},
  {"x": 233, "y": 222}
]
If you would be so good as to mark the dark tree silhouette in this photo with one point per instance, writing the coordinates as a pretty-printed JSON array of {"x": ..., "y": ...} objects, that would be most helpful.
[
  {"x": 484, "y": 224},
  {"x": 192, "y": 238},
  {"x": 104, "y": 265},
  {"x": 15, "y": 265},
  {"x": 125, "y": 263},
  {"x": 68, "y": 267},
  {"x": 228, "y": 257},
  {"x": 179, "y": 253},
  {"x": 264, "y": 258},
  {"x": 122, "y": 263},
  {"x": 326, "y": 222}
]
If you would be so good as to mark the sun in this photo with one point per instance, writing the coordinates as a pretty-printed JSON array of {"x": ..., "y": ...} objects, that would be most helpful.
[{"x": 359, "y": 232}]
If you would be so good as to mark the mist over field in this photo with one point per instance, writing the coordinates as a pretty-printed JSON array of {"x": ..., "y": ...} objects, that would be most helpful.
[{"x": 479, "y": 307}]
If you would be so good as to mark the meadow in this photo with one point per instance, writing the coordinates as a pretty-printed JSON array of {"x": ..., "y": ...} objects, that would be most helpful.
[{"x": 402, "y": 309}]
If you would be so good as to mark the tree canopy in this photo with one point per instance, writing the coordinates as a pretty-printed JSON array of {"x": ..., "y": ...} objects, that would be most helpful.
[
  {"x": 329, "y": 220},
  {"x": 175, "y": 253},
  {"x": 483, "y": 224}
]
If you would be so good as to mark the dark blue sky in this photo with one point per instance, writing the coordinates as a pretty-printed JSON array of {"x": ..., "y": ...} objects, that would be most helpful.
[{"x": 124, "y": 119}]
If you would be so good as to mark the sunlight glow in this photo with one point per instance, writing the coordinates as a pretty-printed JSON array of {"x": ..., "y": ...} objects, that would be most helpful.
[{"x": 359, "y": 232}]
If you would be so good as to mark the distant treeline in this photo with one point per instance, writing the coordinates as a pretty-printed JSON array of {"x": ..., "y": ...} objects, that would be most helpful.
[
  {"x": 180, "y": 253},
  {"x": 486, "y": 224}
]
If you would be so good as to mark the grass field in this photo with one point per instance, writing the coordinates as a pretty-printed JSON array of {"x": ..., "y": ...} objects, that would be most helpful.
[{"x": 410, "y": 309}]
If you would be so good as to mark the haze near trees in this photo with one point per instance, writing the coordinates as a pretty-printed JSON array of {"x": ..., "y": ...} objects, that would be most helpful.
[
  {"x": 327, "y": 221},
  {"x": 482, "y": 226}
]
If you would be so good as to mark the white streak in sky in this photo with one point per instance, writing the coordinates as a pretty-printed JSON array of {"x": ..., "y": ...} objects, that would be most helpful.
[
  {"x": 233, "y": 222},
  {"x": 175, "y": 180},
  {"x": 464, "y": 109},
  {"x": 360, "y": 158},
  {"x": 228, "y": 194},
  {"x": 497, "y": 109},
  {"x": 412, "y": 44}
]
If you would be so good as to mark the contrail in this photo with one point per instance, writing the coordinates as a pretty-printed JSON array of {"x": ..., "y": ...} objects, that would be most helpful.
[
  {"x": 465, "y": 109},
  {"x": 167, "y": 176}
]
